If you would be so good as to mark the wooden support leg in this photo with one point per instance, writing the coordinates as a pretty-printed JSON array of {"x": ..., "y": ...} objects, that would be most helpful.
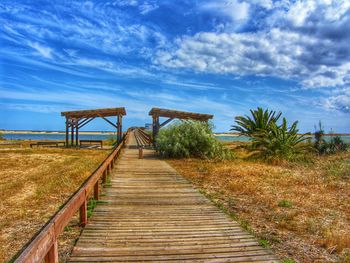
[
  {"x": 83, "y": 213},
  {"x": 76, "y": 134},
  {"x": 52, "y": 255},
  {"x": 72, "y": 134},
  {"x": 104, "y": 177},
  {"x": 67, "y": 132},
  {"x": 96, "y": 191},
  {"x": 140, "y": 153}
]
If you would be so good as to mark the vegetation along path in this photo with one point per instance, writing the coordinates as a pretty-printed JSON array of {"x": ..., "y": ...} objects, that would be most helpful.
[{"x": 151, "y": 213}]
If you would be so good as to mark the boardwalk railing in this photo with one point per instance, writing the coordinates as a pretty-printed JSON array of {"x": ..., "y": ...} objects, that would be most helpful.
[
  {"x": 43, "y": 246},
  {"x": 142, "y": 138}
]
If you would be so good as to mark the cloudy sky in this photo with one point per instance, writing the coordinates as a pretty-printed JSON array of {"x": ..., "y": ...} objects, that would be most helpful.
[{"x": 219, "y": 57}]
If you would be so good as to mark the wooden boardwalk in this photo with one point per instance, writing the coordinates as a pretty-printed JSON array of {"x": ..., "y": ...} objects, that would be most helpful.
[{"x": 151, "y": 214}]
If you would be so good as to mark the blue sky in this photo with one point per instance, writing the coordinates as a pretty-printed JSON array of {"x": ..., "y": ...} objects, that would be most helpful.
[{"x": 218, "y": 57}]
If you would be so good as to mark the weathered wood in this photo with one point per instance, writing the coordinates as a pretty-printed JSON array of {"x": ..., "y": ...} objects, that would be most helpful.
[
  {"x": 165, "y": 122},
  {"x": 52, "y": 255},
  {"x": 94, "y": 113},
  {"x": 72, "y": 133},
  {"x": 78, "y": 119},
  {"x": 97, "y": 191},
  {"x": 140, "y": 152},
  {"x": 44, "y": 245},
  {"x": 151, "y": 213},
  {"x": 91, "y": 142},
  {"x": 83, "y": 213},
  {"x": 107, "y": 120},
  {"x": 104, "y": 177},
  {"x": 84, "y": 122},
  {"x": 67, "y": 131},
  {"x": 179, "y": 114},
  {"x": 76, "y": 133}
]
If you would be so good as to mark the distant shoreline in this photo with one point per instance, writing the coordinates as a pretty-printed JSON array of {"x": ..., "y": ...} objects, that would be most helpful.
[
  {"x": 56, "y": 132},
  {"x": 236, "y": 134},
  {"x": 221, "y": 134}
]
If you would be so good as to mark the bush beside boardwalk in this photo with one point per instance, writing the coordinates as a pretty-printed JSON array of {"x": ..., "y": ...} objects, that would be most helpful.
[
  {"x": 299, "y": 209},
  {"x": 190, "y": 139}
]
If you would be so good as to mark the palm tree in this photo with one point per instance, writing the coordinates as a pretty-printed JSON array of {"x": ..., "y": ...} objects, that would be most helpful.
[{"x": 260, "y": 121}]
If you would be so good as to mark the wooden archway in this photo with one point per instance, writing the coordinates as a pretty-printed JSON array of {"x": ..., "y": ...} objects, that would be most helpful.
[
  {"x": 77, "y": 119},
  {"x": 156, "y": 113}
]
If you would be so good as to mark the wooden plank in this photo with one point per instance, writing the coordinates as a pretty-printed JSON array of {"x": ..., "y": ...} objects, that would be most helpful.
[
  {"x": 44, "y": 244},
  {"x": 150, "y": 213}
]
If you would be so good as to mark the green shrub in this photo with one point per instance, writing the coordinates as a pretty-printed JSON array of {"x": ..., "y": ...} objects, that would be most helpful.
[
  {"x": 270, "y": 140},
  {"x": 335, "y": 145},
  {"x": 190, "y": 139},
  {"x": 281, "y": 143}
]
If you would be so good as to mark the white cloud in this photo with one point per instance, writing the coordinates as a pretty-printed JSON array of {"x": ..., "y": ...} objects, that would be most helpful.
[
  {"x": 339, "y": 101},
  {"x": 233, "y": 9},
  {"x": 46, "y": 52},
  {"x": 308, "y": 42},
  {"x": 146, "y": 8}
]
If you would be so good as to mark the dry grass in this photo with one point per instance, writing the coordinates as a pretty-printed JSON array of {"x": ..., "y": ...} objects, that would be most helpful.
[
  {"x": 34, "y": 183},
  {"x": 302, "y": 210}
]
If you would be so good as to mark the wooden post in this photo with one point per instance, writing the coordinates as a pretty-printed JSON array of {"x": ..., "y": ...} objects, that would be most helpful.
[
  {"x": 67, "y": 132},
  {"x": 72, "y": 133},
  {"x": 76, "y": 132},
  {"x": 140, "y": 152},
  {"x": 155, "y": 127},
  {"x": 83, "y": 213},
  {"x": 52, "y": 255},
  {"x": 96, "y": 191},
  {"x": 104, "y": 177},
  {"x": 119, "y": 128}
]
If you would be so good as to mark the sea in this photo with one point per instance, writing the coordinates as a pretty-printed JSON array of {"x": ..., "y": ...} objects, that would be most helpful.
[{"x": 61, "y": 137}]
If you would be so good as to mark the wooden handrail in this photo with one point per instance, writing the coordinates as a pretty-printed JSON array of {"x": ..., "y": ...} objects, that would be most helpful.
[
  {"x": 142, "y": 137},
  {"x": 43, "y": 245}
]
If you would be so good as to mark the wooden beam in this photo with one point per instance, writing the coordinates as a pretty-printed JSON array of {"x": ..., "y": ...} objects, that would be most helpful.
[
  {"x": 155, "y": 127},
  {"x": 83, "y": 213},
  {"x": 76, "y": 133},
  {"x": 52, "y": 255},
  {"x": 67, "y": 132},
  {"x": 97, "y": 191},
  {"x": 95, "y": 113},
  {"x": 111, "y": 123},
  {"x": 84, "y": 122},
  {"x": 179, "y": 114},
  {"x": 72, "y": 133},
  {"x": 165, "y": 122},
  {"x": 119, "y": 128}
]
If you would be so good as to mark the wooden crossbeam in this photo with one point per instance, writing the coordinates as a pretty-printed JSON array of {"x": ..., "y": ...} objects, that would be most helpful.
[
  {"x": 84, "y": 122},
  {"x": 111, "y": 123},
  {"x": 179, "y": 114},
  {"x": 107, "y": 112},
  {"x": 165, "y": 122}
]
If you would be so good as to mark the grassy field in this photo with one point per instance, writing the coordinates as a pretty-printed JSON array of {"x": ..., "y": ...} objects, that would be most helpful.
[
  {"x": 34, "y": 183},
  {"x": 301, "y": 211}
]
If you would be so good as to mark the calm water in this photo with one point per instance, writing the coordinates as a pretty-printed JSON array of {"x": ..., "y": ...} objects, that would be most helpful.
[
  {"x": 246, "y": 139},
  {"x": 61, "y": 137}
]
